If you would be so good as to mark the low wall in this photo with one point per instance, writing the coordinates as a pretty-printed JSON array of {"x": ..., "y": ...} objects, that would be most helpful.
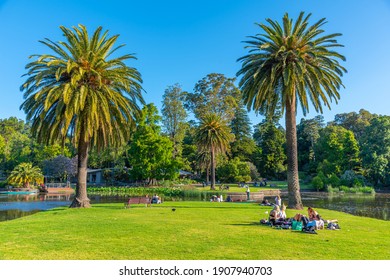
[{"x": 254, "y": 196}]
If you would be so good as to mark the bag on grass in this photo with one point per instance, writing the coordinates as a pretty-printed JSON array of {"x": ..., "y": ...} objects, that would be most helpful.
[{"x": 296, "y": 225}]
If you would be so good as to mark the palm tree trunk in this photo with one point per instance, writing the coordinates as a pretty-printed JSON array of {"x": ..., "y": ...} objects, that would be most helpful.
[
  {"x": 212, "y": 169},
  {"x": 207, "y": 174},
  {"x": 294, "y": 195},
  {"x": 81, "y": 199}
]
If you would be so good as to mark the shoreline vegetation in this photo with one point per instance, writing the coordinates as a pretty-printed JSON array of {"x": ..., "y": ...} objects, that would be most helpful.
[
  {"x": 178, "y": 190},
  {"x": 195, "y": 231}
]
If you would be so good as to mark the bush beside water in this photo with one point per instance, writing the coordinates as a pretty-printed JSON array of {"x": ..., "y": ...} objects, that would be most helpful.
[
  {"x": 347, "y": 189},
  {"x": 167, "y": 193}
]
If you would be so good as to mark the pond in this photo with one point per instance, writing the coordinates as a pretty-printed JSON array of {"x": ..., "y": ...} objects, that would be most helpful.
[{"x": 375, "y": 206}]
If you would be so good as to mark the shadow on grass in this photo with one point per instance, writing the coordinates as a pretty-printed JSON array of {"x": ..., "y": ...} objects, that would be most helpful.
[{"x": 246, "y": 224}]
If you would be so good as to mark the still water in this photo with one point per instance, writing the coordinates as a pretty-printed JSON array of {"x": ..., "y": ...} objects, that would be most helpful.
[{"x": 375, "y": 206}]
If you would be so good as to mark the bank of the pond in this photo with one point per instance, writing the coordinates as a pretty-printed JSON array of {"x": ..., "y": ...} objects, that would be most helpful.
[{"x": 196, "y": 230}]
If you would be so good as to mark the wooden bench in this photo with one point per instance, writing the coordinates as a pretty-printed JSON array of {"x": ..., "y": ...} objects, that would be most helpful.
[{"x": 138, "y": 200}]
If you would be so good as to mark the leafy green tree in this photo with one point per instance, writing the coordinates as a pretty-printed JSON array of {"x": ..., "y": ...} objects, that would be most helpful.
[
  {"x": 213, "y": 135},
  {"x": 150, "y": 153},
  {"x": 18, "y": 145},
  {"x": 189, "y": 153},
  {"x": 214, "y": 94},
  {"x": 46, "y": 152},
  {"x": 243, "y": 146},
  {"x": 337, "y": 151},
  {"x": 308, "y": 132},
  {"x": 174, "y": 117},
  {"x": 272, "y": 156},
  {"x": 24, "y": 174},
  {"x": 234, "y": 170},
  {"x": 356, "y": 122},
  {"x": 376, "y": 150},
  {"x": 80, "y": 92},
  {"x": 291, "y": 63}
]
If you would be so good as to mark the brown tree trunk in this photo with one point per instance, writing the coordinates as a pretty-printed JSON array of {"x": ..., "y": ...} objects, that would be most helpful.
[
  {"x": 207, "y": 174},
  {"x": 294, "y": 194},
  {"x": 81, "y": 199},
  {"x": 212, "y": 169}
]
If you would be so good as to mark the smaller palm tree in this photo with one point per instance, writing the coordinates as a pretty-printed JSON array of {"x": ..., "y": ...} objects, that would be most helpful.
[
  {"x": 214, "y": 135},
  {"x": 24, "y": 174}
]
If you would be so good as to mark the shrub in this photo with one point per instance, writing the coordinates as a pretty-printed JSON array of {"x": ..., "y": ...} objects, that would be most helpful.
[
  {"x": 333, "y": 180},
  {"x": 331, "y": 189},
  {"x": 317, "y": 183}
]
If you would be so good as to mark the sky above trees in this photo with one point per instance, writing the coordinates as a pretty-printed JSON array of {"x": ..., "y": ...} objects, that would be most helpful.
[{"x": 183, "y": 41}]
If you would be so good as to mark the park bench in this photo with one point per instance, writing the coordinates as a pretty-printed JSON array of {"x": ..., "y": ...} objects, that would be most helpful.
[{"x": 138, "y": 200}]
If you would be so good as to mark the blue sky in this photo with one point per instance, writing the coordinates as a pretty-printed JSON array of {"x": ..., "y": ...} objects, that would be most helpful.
[{"x": 183, "y": 41}]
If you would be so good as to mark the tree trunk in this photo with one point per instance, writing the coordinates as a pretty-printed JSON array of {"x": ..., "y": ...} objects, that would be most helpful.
[
  {"x": 207, "y": 174},
  {"x": 294, "y": 195},
  {"x": 212, "y": 169},
  {"x": 81, "y": 199}
]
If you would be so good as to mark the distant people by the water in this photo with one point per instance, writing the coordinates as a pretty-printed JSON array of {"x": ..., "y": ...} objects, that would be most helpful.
[
  {"x": 215, "y": 198},
  {"x": 265, "y": 202},
  {"x": 156, "y": 199}
]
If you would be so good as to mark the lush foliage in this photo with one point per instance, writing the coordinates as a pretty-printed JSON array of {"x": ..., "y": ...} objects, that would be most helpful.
[
  {"x": 233, "y": 171},
  {"x": 174, "y": 117},
  {"x": 271, "y": 156},
  {"x": 150, "y": 153},
  {"x": 25, "y": 174}
]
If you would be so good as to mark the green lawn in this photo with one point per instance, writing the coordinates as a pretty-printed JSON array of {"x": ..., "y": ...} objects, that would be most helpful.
[{"x": 196, "y": 230}]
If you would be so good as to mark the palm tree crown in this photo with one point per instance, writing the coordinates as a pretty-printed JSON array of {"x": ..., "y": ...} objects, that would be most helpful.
[
  {"x": 24, "y": 174},
  {"x": 288, "y": 61},
  {"x": 79, "y": 91},
  {"x": 291, "y": 63}
]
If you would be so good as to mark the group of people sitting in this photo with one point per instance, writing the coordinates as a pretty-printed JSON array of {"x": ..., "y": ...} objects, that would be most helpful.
[
  {"x": 313, "y": 221},
  {"x": 216, "y": 198},
  {"x": 156, "y": 199}
]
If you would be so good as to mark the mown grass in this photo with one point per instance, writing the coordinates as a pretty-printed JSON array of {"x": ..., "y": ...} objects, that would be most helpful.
[{"x": 195, "y": 231}]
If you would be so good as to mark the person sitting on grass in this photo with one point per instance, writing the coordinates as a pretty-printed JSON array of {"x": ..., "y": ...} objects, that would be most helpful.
[
  {"x": 282, "y": 213},
  {"x": 313, "y": 215},
  {"x": 265, "y": 202},
  {"x": 274, "y": 215},
  {"x": 156, "y": 199},
  {"x": 320, "y": 222}
]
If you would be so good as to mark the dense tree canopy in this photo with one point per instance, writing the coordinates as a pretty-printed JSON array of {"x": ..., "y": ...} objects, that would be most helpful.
[{"x": 150, "y": 153}]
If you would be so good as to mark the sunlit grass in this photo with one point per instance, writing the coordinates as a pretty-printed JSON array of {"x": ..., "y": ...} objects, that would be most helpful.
[{"x": 196, "y": 230}]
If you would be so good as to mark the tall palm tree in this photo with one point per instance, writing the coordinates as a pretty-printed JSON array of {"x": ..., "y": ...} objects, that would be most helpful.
[
  {"x": 80, "y": 92},
  {"x": 291, "y": 63},
  {"x": 213, "y": 134},
  {"x": 24, "y": 174},
  {"x": 204, "y": 159}
]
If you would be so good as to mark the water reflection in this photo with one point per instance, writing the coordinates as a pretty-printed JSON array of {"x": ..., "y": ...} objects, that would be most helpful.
[
  {"x": 367, "y": 205},
  {"x": 20, "y": 205}
]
